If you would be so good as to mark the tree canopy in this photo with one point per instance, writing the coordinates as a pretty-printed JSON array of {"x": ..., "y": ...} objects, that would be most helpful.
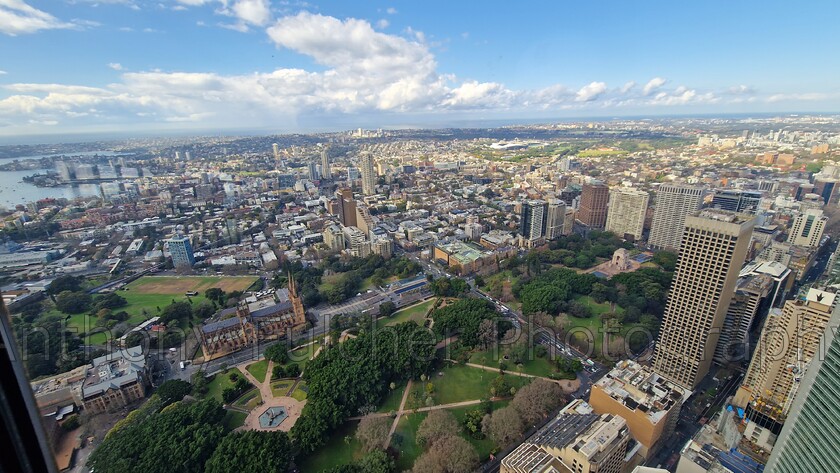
[
  {"x": 252, "y": 452},
  {"x": 463, "y": 317}
]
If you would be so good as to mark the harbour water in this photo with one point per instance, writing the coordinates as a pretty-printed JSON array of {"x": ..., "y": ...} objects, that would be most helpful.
[{"x": 14, "y": 191}]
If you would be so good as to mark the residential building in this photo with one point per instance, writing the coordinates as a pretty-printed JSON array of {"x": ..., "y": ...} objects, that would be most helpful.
[
  {"x": 673, "y": 204},
  {"x": 115, "y": 380},
  {"x": 356, "y": 242},
  {"x": 556, "y": 219},
  {"x": 368, "y": 170},
  {"x": 533, "y": 219},
  {"x": 334, "y": 237},
  {"x": 314, "y": 174},
  {"x": 789, "y": 342},
  {"x": 594, "y": 200},
  {"x": 807, "y": 229},
  {"x": 626, "y": 212},
  {"x": 325, "y": 163},
  {"x": 752, "y": 293},
  {"x": 649, "y": 403},
  {"x": 811, "y": 434},
  {"x": 181, "y": 251},
  {"x": 578, "y": 440},
  {"x": 346, "y": 207},
  {"x": 712, "y": 251}
]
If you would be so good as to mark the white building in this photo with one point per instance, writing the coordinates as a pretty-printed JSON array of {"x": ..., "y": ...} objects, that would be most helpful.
[{"x": 626, "y": 212}]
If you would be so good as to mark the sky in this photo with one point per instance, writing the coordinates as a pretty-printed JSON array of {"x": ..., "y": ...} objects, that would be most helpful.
[{"x": 93, "y": 66}]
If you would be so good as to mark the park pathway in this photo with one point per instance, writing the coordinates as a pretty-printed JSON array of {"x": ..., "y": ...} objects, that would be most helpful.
[
  {"x": 264, "y": 386},
  {"x": 399, "y": 414},
  {"x": 451, "y": 405}
]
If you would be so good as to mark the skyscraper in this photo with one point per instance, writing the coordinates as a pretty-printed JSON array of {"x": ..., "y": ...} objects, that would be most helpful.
[
  {"x": 313, "y": 171},
  {"x": 276, "y": 149},
  {"x": 593, "y": 205},
  {"x": 533, "y": 219},
  {"x": 811, "y": 434},
  {"x": 788, "y": 344},
  {"x": 807, "y": 228},
  {"x": 626, "y": 212},
  {"x": 714, "y": 245},
  {"x": 554, "y": 225},
  {"x": 181, "y": 251},
  {"x": 368, "y": 174},
  {"x": 673, "y": 204},
  {"x": 325, "y": 163},
  {"x": 346, "y": 207}
]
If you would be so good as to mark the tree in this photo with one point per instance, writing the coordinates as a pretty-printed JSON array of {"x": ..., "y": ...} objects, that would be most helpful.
[
  {"x": 278, "y": 353},
  {"x": 487, "y": 335},
  {"x": 203, "y": 311},
  {"x": 437, "y": 425},
  {"x": 183, "y": 434},
  {"x": 472, "y": 422},
  {"x": 387, "y": 309},
  {"x": 451, "y": 454},
  {"x": 109, "y": 301},
  {"x": 173, "y": 391},
  {"x": 373, "y": 432},
  {"x": 534, "y": 401},
  {"x": 176, "y": 311},
  {"x": 504, "y": 426},
  {"x": 65, "y": 283},
  {"x": 252, "y": 452},
  {"x": 72, "y": 302},
  {"x": 215, "y": 294}
]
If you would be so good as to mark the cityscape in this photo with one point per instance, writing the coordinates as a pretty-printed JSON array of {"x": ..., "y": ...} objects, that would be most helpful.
[{"x": 356, "y": 246}]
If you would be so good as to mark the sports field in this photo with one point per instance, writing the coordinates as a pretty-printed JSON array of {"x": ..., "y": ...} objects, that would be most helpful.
[{"x": 178, "y": 285}]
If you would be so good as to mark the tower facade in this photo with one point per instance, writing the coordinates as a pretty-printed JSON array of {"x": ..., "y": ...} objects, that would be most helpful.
[
  {"x": 368, "y": 174},
  {"x": 811, "y": 434},
  {"x": 673, "y": 204},
  {"x": 533, "y": 219},
  {"x": 714, "y": 245},
  {"x": 626, "y": 212},
  {"x": 593, "y": 205},
  {"x": 554, "y": 226},
  {"x": 181, "y": 251},
  {"x": 807, "y": 228},
  {"x": 325, "y": 163}
]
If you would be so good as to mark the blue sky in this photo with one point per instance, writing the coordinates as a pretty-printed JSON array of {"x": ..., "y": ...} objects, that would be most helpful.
[{"x": 76, "y": 66}]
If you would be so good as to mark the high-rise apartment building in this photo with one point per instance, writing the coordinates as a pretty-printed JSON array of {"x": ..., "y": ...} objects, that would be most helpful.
[
  {"x": 313, "y": 171},
  {"x": 626, "y": 212},
  {"x": 714, "y": 245},
  {"x": 533, "y": 218},
  {"x": 807, "y": 228},
  {"x": 276, "y": 149},
  {"x": 594, "y": 200},
  {"x": 181, "y": 251},
  {"x": 736, "y": 200},
  {"x": 555, "y": 219},
  {"x": 811, "y": 434},
  {"x": 325, "y": 163},
  {"x": 368, "y": 171},
  {"x": 788, "y": 344},
  {"x": 673, "y": 204},
  {"x": 346, "y": 207},
  {"x": 751, "y": 294}
]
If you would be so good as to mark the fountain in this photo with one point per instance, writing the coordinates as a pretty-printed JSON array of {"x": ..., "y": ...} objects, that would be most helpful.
[{"x": 273, "y": 417}]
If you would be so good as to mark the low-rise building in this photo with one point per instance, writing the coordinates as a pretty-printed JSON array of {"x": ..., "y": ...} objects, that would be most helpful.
[{"x": 115, "y": 380}]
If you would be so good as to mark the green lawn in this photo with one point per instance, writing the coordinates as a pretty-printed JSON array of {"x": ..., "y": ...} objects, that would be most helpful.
[
  {"x": 392, "y": 401},
  {"x": 458, "y": 383},
  {"x": 258, "y": 370},
  {"x": 484, "y": 447},
  {"x": 536, "y": 366},
  {"x": 416, "y": 313},
  {"x": 301, "y": 391},
  {"x": 404, "y": 441},
  {"x": 249, "y": 400},
  {"x": 281, "y": 388},
  {"x": 302, "y": 355},
  {"x": 594, "y": 324},
  {"x": 341, "y": 448},
  {"x": 234, "y": 419},
  {"x": 219, "y": 382}
]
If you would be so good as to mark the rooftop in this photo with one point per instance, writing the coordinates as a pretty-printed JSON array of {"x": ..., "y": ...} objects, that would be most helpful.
[
  {"x": 114, "y": 370},
  {"x": 639, "y": 388}
]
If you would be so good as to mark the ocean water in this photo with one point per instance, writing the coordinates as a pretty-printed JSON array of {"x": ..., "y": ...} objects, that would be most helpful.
[{"x": 14, "y": 191}]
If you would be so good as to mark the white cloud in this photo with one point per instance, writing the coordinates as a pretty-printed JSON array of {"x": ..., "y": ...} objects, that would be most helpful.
[
  {"x": 253, "y": 12},
  {"x": 591, "y": 92},
  {"x": 16, "y": 17},
  {"x": 653, "y": 85},
  {"x": 627, "y": 87},
  {"x": 115, "y": 66},
  {"x": 382, "y": 24},
  {"x": 806, "y": 97},
  {"x": 2, "y": 73},
  {"x": 741, "y": 90},
  {"x": 193, "y": 3},
  {"x": 391, "y": 11}
]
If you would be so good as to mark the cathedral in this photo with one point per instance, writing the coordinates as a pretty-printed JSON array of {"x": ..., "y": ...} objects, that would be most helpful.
[{"x": 252, "y": 322}]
